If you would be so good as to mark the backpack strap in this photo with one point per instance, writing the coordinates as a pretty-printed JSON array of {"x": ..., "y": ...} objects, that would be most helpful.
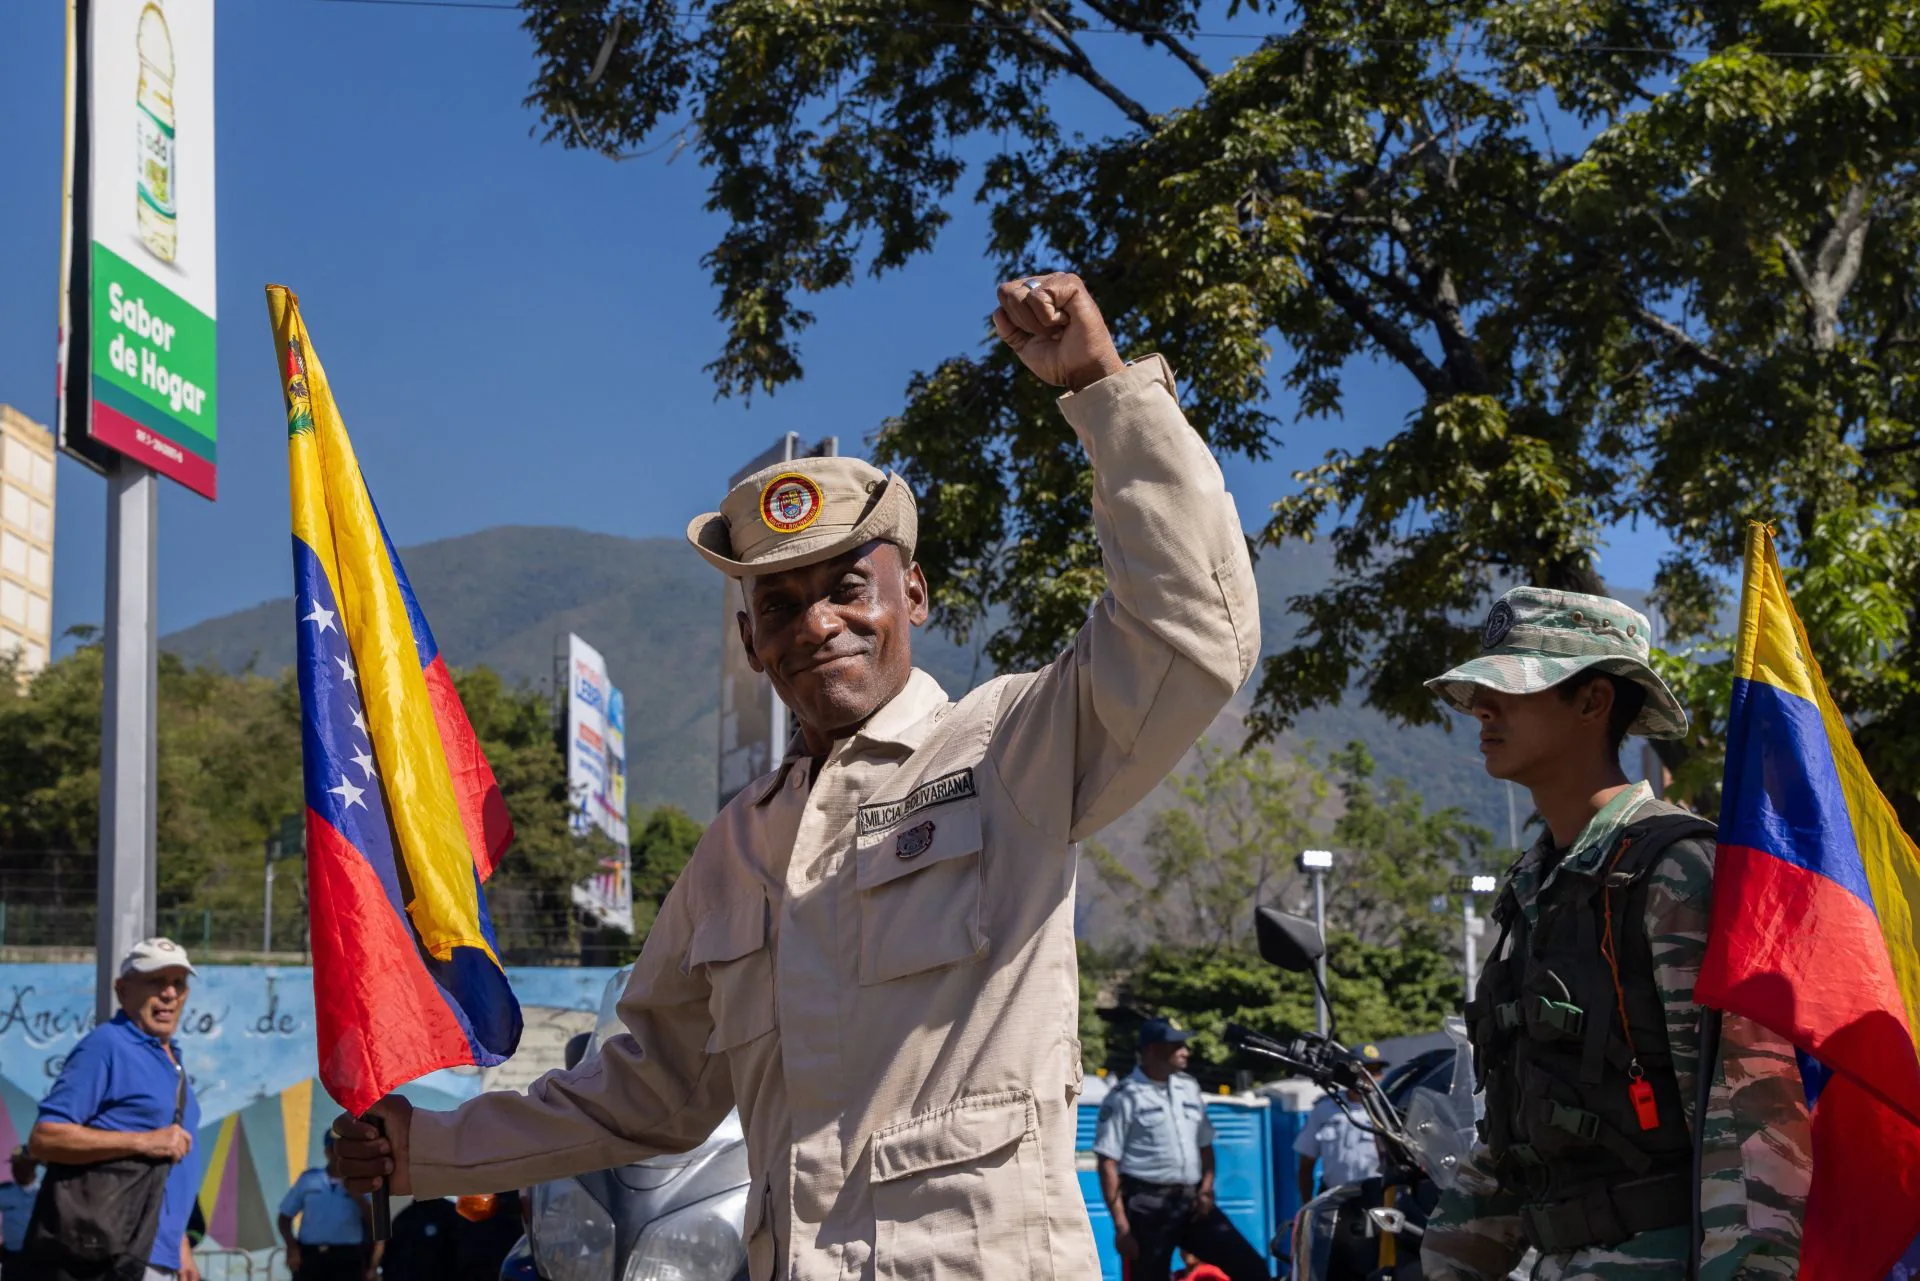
[{"x": 1636, "y": 850}]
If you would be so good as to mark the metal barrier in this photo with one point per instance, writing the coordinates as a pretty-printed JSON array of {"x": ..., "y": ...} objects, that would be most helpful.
[{"x": 242, "y": 1265}]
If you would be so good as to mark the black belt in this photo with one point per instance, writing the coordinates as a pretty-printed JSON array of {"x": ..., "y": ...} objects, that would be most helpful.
[
  {"x": 1130, "y": 1184},
  {"x": 328, "y": 1249},
  {"x": 1609, "y": 1215}
]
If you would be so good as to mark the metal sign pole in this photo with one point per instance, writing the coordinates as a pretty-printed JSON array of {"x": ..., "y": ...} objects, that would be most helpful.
[
  {"x": 127, "y": 720},
  {"x": 1322, "y": 1017}
]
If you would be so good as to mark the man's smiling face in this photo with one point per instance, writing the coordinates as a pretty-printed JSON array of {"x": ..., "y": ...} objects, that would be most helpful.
[{"x": 836, "y": 638}]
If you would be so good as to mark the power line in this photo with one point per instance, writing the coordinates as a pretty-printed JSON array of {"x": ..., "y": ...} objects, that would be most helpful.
[{"x": 1475, "y": 46}]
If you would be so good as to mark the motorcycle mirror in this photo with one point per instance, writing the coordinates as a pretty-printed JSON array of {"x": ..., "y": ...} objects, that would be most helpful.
[
  {"x": 1290, "y": 942},
  {"x": 576, "y": 1048}
]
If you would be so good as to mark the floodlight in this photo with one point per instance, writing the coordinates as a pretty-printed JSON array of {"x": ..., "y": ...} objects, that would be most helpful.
[
  {"x": 1316, "y": 858},
  {"x": 1485, "y": 884}
]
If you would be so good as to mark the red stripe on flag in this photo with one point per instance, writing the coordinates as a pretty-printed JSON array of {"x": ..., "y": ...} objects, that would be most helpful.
[
  {"x": 483, "y": 811},
  {"x": 1800, "y": 953},
  {"x": 379, "y": 1018},
  {"x": 1864, "y": 1208}
]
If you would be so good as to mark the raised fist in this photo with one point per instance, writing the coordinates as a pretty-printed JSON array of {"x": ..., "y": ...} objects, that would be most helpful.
[{"x": 1051, "y": 323}]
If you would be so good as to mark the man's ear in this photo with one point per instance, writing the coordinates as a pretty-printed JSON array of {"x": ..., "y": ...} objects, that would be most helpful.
[
  {"x": 746, "y": 640},
  {"x": 1596, "y": 700},
  {"x": 919, "y": 604}
]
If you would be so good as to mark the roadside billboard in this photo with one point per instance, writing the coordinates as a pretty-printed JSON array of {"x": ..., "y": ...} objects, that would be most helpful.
[
  {"x": 137, "y": 298},
  {"x": 596, "y": 781}
]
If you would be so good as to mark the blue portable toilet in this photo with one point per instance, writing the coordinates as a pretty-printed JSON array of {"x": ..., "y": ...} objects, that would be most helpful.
[{"x": 1243, "y": 1171}]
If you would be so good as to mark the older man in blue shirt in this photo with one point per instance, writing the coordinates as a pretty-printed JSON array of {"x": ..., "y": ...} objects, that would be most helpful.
[
  {"x": 1154, "y": 1145},
  {"x": 124, "y": 1093}
]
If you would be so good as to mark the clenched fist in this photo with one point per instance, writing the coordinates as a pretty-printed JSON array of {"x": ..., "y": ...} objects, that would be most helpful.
[{"x": 1051, "y": 323}]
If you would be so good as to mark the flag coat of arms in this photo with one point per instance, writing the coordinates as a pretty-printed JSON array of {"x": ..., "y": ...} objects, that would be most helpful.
[
  {"x": 404, "y": 817},
  {"x": 1814, "y": 932}
]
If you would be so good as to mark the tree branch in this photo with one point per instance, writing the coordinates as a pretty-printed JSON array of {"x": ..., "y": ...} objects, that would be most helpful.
[
  {"x": 1068, "y": 56},
  {"x": 1395, "y": 340},
  {"x": 1157, "y": 35},
  {"x": 1686, "y": 343}
]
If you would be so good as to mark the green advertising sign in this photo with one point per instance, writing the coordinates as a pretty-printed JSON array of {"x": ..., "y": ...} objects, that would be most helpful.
[{"x": 156, "y": 350}]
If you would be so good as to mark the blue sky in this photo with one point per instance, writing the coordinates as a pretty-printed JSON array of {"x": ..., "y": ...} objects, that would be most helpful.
[{"x": 516, "y": 332}]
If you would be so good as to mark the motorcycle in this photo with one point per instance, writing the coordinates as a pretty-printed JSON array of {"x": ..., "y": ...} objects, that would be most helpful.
[
  {"x": 1422, "y": 1121},
  {"x": 678, "y": 1217}
]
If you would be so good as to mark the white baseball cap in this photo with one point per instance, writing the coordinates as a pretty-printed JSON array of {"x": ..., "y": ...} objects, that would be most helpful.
[{"x": 149, "y": 955}]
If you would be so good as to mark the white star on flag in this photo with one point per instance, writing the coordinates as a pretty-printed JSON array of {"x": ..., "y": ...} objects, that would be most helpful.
[
  {"x": 364, "y": 761},
  {"x": 359, "y": 721},
  {"x": 349, "y": 794},
  {"x": 320, "y": 615},
  {"x": 346, "y": 669}
]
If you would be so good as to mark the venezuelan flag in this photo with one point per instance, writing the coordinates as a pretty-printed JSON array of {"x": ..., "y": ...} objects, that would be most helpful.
[
  {"x": 1814, "y": 932},
  {"x": 404, "y": 818}
]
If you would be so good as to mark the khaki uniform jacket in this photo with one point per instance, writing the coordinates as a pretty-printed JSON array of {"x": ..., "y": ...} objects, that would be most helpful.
[{"x": 878, "y": 968}]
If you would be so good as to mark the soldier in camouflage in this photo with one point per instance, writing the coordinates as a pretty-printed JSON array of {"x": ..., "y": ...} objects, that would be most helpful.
[{"x": 1586, "y": 1037}]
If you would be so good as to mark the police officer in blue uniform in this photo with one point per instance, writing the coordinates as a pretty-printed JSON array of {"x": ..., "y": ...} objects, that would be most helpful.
[{"x": 1155, "y": 1150}]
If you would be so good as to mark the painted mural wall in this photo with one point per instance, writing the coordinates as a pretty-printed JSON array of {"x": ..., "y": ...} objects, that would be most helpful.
[{"x": 247, "y": 1040}]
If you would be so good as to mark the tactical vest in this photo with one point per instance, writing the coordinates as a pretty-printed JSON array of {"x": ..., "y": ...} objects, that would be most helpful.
[{"x": 1561, "y": 1078}]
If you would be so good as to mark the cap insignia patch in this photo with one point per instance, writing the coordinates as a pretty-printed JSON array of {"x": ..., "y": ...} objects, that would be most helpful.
[
  {"x": 915, "y": 841},
  {"x": 790, "y": 503},
  {"x": 1499, "y": 623}
]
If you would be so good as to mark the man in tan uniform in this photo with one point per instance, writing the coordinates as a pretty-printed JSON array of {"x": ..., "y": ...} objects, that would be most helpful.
[{"x": 871, "y": 952}]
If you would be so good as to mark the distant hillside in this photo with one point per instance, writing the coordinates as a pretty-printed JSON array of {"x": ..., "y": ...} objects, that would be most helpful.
[{"x": 503, "y": 596}]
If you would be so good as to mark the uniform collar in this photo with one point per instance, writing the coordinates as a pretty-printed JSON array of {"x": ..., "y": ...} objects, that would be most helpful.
[
  {"x": 1596, "y": 839},
  {"x": 904, "y": 721}
]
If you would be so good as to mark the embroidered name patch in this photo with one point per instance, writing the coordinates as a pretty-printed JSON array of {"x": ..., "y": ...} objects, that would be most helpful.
[{"x": 948, "y": 787}]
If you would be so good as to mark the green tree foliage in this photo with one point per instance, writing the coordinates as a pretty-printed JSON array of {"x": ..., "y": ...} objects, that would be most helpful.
[
  {"x": 1632, "y": 259},
  {"x": 1229, "y": 841},
  {"x": 228, "y": 770},
  {"x": 1228, "y": 844},
  {"x": 1378, "y": 991},
  {"x": 1394, "y": 857},
  {"x": 661, "y": 848}
]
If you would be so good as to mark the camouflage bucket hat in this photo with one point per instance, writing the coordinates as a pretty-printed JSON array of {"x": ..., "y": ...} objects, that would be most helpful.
[{"x": 1534, "y": 639}]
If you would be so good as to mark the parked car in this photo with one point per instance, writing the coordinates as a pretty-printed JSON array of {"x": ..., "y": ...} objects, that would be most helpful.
[{"x": 670, "y": 1218}]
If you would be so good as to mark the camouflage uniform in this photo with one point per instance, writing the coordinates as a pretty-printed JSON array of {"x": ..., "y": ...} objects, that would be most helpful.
[{"x": 1758, "y": 1152}]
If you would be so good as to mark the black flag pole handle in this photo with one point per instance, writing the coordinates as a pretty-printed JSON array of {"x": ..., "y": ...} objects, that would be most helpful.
[{"x": 382, "y": 1205}]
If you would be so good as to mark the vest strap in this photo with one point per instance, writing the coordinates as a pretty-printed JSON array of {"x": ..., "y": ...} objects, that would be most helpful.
[{"x": 1607, "y": 1216}]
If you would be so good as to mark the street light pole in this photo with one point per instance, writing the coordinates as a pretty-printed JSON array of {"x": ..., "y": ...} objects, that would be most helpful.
[
  {"x": 1315, "y": 863},
  {"x": 266, "y": 926},
  {"x": 1471, "y": 923}
]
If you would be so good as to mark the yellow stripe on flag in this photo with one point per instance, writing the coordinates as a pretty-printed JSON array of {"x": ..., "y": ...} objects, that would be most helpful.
[{"x": 333, "y": 514}]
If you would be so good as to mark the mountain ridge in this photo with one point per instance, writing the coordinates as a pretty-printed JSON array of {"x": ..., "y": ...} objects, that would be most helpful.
[{"x": 504, "y": 596}]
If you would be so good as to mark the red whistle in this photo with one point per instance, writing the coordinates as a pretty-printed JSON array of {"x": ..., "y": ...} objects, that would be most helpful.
[{"x": 1643, "y": 1105}]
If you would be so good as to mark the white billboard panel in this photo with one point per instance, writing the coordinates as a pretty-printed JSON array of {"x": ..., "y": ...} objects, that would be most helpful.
[
  {"x": 138, "y": 311},
  {"x": 596, "y": 781}
]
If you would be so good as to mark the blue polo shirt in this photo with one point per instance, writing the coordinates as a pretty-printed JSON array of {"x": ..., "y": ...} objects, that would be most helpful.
[
  {"x": 121, "y": 1079},
  {"x": 328, "y": 1213}
]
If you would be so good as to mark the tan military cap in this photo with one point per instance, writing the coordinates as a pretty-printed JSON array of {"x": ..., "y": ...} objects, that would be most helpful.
[{"x": 804, "y": 512}]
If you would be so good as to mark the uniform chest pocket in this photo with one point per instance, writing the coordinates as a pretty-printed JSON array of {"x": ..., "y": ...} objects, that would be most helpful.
[
  {"x": 733, "y": 944},
  {"x": 919, "y": 884}
]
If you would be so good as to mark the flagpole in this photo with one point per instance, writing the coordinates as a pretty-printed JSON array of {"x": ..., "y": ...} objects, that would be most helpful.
[
  {"x": 382, "y": 1205},
  {"x": 1702, "y": 1092}
]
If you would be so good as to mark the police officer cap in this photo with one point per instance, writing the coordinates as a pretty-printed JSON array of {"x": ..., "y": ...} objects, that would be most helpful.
[
  {"x": 803, "y": 512},
  {"x": 1162, "y": 1032}
]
